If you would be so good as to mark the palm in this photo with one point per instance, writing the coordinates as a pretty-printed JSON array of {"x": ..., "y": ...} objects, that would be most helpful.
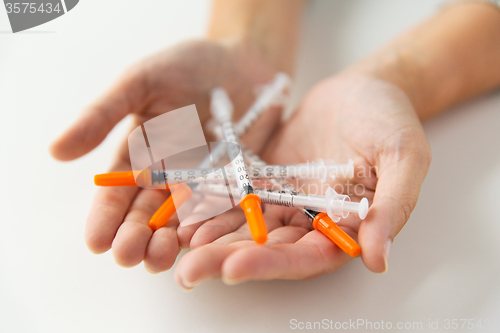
[
  {"x": 186, "y": 73},
  {"x": 346, "y": 117}
]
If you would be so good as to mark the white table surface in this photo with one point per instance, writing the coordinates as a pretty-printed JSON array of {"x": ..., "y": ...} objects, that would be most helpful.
[{"x": 444, "y": 264}]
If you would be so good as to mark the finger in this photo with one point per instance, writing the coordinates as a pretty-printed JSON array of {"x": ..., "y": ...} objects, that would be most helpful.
[
  {"x": 231, "y": 223},
  {"x": 275, "y": 217},
  {"x": 126, "y": 96},
  {"x": 201, "y": 264},
  {"x": 401, "y": 176},
  {"x": 106, "y": 215},
  {"x": 311, "y": 256},
  {"x": 201, "y": 234},
  {"x": 206, "y": 261},
  {"x": 131, "y": 241},
  {"x": 162, "y": 249},
  {"x": 286, "y": 235},
  {"x": 203, "y": 210},
  {"x": 109, "y": 206}
]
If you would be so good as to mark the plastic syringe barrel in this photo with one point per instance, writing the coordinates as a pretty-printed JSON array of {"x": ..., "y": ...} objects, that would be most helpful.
[
  {"x": 221, "y": 108},
  {"x": 280, "y": 82}
]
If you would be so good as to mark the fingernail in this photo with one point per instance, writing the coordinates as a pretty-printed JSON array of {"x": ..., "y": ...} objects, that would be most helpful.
[
  {"x": 232, "y": 282},
  {"x": 149, "y": 270},
  {"x": 387, "y": 252},
  {"x": 189, "y": 285},
  {"x": 185, "y": 288}
]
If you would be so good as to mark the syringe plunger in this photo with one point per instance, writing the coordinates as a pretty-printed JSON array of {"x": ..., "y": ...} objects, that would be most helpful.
[{"x": 340, "y": 205}]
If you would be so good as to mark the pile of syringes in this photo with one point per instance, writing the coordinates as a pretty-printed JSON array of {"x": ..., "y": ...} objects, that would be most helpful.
[{"x": 245, "y": 168}]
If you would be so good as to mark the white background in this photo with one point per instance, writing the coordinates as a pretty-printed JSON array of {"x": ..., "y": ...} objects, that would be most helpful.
[{"x": 444, "y": 264}]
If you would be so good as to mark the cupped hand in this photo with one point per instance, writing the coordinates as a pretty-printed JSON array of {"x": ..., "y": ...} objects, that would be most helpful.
[
  {"x": 174, "y": 78},
  {"x": 351, "y": 116}
]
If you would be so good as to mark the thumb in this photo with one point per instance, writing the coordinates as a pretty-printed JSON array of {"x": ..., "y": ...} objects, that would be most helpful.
[
  {"x": 402, "y": 172},
  {"x": 126, "y": 96}
]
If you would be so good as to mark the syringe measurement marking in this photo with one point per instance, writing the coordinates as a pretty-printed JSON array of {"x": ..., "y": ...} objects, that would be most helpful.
[
  {"x": 243, "y": 180},
  {"x": 278, "y": 172}
]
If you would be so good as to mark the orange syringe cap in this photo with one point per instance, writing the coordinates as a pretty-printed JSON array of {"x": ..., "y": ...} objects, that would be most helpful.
[
  {"x": 253, "y": 213},
  {"x": 179, "y": 194},
  {"x": 126, "y": 178},
  {"x": 330, "y": 229}
]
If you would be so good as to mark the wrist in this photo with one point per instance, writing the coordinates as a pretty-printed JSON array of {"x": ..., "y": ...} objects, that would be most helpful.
[
  {"x": 398, "y": 67},
  {"x": 272, "y": 59},
  {"x": 444, "y": 61},
  {"x": 267, "y": 28}
]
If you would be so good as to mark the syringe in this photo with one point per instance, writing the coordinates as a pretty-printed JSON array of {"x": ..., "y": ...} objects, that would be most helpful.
[
  {"x": 336, "y": 205},
  {"x": 321, "y": 221},
  {"x": 272, "y": 93},
  {"x": 323, "y": 170},
  {"x": 221, "y": 109}
]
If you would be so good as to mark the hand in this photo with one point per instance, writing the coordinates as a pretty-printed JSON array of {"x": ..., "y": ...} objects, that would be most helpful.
[
  {"x": 174, "y": 78},
  {"x": 360, "y": 115},
  {"x": 351, "y": 116}
]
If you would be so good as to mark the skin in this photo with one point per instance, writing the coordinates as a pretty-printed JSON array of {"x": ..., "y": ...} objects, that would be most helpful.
[{"x": 371, "y": 112}]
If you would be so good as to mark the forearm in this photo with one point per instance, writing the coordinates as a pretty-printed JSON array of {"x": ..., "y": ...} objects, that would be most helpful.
[
  {"x": 448, "y": 59},
  {"x": 270, "y": 27}
]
